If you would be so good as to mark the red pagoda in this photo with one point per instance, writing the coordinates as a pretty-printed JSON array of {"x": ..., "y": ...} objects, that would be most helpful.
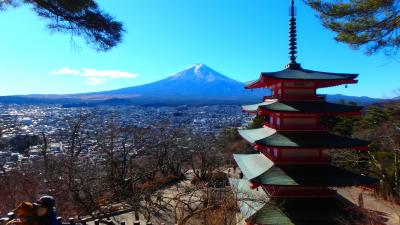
[{"x": 291, "y": 164}]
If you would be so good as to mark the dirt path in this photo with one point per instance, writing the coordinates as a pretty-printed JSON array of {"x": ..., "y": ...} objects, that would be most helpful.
[{"x": 372, "y": 202}]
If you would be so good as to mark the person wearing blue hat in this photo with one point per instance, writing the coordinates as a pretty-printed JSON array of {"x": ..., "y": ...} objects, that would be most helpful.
[{"x": 46, "y": 210}]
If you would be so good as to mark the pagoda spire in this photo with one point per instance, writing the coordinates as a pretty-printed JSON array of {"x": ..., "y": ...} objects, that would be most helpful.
[{"x": 292, "y": 39}]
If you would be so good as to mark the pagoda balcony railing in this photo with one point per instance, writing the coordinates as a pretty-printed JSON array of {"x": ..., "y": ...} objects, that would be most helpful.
[
  {"x": 277, "y": 191},
  {"x": 297, "y": 98},
  {"x": 315, "y": 160},
  {"x": 293, "y": 127}
]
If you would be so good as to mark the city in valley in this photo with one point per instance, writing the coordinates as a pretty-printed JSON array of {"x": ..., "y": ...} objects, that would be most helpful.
[{"x": 22, "y": 126}]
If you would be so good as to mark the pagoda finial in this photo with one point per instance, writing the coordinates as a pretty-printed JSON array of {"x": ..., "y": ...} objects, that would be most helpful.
[{"x": 292, "y": 39}]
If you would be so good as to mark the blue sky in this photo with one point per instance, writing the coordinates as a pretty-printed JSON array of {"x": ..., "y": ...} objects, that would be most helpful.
[{"x": 238, "y": 38}]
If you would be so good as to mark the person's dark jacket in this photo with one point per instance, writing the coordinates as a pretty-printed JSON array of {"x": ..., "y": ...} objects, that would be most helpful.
[{"x": 50, "y": 218}]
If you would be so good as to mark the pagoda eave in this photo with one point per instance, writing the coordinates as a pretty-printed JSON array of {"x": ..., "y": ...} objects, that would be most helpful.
[
  {"x": 255, "y": 185},
  {"x": 252, "y": 109},
  {"x": 307, "y": 211},
  {"x": 288, "y": 191},
  {"x": 301, "y": 107},
  {"x": 315, "y": 98},
  {"x": 318, "y": 160},
  {"x": 310, "y": 176},
  {"x": 269, "y": 137},
  {"x": 261, "y": 147},
  {"x": 250, "y": 112},
  {"x": 262, "y": 171},
  {"x": 306, "y": 194},
  {"x": 265, "y": 112},
  {"x": 268, "y": 82}
]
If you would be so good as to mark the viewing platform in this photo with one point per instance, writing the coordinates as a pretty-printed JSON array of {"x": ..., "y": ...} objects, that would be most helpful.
[{"x": 103, "y": 220}]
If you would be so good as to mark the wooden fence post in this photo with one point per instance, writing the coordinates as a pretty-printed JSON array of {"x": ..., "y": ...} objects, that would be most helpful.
[
  {"x": 96, "y": 222},
  {"x": 59, "y": 220},
  {"x": 11, "y": 215},
  {"x": 109, "y": 222},
  {"x": 83, "y": 221},
  {"x": 4, "y": 220},
  {"x": 71, "y": 221}
]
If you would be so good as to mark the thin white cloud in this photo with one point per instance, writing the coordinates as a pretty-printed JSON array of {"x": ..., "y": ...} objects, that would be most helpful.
[
  {"x": 95, "y": 77},
  {"x": 107, "y": 73},
  {"x": 65, "y": 71},
  {"x": 95, "y": 81}
]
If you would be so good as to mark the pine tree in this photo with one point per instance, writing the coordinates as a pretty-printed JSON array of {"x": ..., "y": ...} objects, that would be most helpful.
[
  {"x": 78, "y": 17},
  {"x": 369, "y": 24}
]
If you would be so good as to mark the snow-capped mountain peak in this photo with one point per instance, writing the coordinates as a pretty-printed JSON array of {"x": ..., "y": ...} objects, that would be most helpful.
[
  {"x": 199, "y": 72},
  {"x": 197, "y": 67}
]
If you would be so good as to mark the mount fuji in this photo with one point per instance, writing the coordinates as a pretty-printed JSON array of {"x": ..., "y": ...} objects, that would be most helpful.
[{"x": 197, "y": 84}]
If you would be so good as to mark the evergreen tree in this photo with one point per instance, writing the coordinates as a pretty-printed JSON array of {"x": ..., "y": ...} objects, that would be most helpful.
[
  {"x": 369, "y": 24},
  {"x": 78, "y": 17},
  {"x": 257, "y": 122},
  {"x": 380, "y": 125}
]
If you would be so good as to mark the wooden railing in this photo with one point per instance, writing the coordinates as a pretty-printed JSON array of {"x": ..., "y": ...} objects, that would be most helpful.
[
  {"x": 71, "y": 221},
  {"x": 317, "y": 97}
]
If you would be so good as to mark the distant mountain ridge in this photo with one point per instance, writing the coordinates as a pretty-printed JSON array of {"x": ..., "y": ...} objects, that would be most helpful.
[
  {"x": 197, "y": 84},
  {"x": 362, "y": 100}
]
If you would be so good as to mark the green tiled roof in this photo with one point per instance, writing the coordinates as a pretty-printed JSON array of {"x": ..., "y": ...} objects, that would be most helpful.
[
  {"x": 254, "y": 107},
  {"x": 310, "y": 139},
  {"x": 271, "y": 214},
  {"x": 255, "y": 206},
  {"x": 303, "y": 74},
  {"x": 259, "y": 169},
  {"x": 312, "y": 175},
  {"x": 299, "y": 139},
  {"x": 253, "y": 135},
  {"x": 249, "y": 200},
  {"x": 311, "y": 107},
  {"x": 307, "y": 211},
  {"x": 253, "y": 165}
]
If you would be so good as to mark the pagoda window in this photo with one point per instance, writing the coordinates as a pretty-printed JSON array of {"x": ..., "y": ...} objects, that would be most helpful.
[{"x": 275, "y": 153}]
